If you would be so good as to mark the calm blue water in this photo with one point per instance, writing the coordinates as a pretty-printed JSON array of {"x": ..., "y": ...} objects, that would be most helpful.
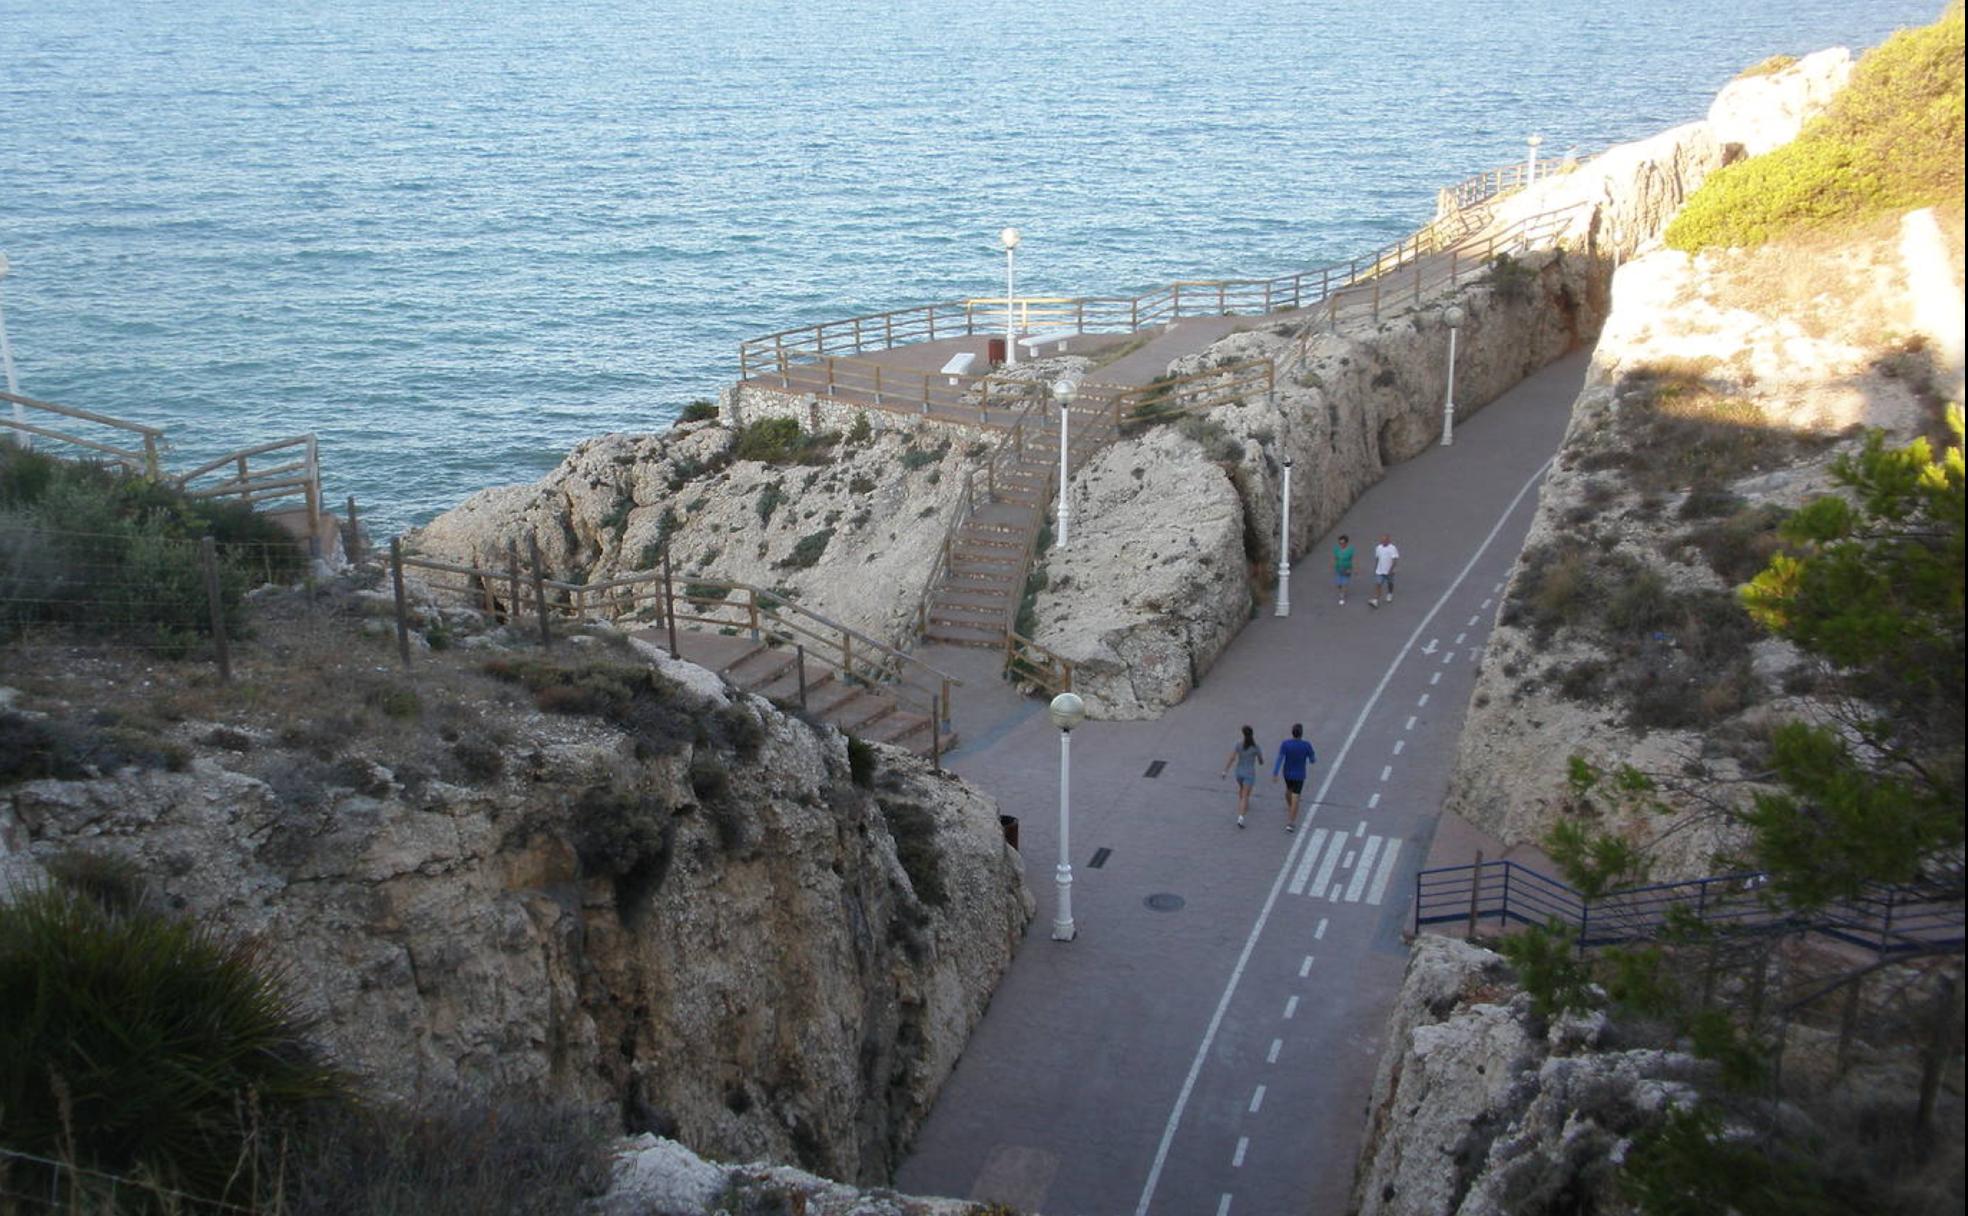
[{"x": 455, "y": 239}]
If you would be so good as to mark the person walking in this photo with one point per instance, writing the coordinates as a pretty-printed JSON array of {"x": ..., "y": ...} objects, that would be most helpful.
[
  {"x": 1343, "y": 565},
  {"x": 1386, "y": 557},
  {"x": 1247, "y": 755},
  {"x": 1295, "y": 759}
]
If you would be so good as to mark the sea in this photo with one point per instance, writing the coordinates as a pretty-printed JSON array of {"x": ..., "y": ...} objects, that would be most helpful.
[{"x": 453, "y": 238}]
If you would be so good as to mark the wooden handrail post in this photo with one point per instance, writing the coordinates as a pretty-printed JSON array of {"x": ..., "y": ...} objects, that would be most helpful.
[
  {"x": 847, "y": 653},
  {"x": 512, "y": 574},
  {"x": 539, "y": 589},
  {"x": 669, "y": 602},
  {"x": 402, "y": 612},
  {"x": 208, "y": 557},
  {"x": 752, "y": 611},
  {"x": 1376, "y": 298},
  {"x": 1417, "y": 298}
]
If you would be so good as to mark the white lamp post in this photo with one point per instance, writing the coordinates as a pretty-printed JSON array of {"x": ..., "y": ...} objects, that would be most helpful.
[
  {"x": 7, "y": 361},
  {"x": 1531, "y": 165},
  {"x": 1451, "y": 317},
  {"x": 1284, "y": 543},
  {"x": 1009, "y": 239},
  {"x": 1062, "y": 392},
  {"x": 1066, "y": 712}
]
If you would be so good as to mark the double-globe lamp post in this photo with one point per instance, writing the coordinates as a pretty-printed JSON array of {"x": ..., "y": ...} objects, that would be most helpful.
[
  {"x": 1009, "y": 239},
  {"x": 1451, "y": 317},
  {"x": 1284, "y": 543},
  {"x": 1066, "y": 712}
]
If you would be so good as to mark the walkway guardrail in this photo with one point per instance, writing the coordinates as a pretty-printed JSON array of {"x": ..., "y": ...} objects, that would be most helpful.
[
  {"x": 141, "y": 459},
  {"x": 297, "y": 476},
  {"x": 1886, "y": 920}
]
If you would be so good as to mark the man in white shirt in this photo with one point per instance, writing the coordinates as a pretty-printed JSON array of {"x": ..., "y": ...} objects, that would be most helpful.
[{"x": 1386, "y": 557}]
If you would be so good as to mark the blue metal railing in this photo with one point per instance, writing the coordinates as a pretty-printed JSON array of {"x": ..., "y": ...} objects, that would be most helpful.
[{"x": 1885, "y": 919}]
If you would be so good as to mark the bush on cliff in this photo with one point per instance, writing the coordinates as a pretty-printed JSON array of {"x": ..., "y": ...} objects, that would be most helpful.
[{"x": 1890, "y": 142}]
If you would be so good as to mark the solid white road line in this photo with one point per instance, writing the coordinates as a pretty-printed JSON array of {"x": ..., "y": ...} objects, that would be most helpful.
[
  {"x": 1277, "y": 1045},
  {"x": 1360, "y": 872},
  {"x": 1284, "y": 870},
  {"x": 1319, "y": 934},
  {"x": 1386, "y": 871},
  {"x": 1257, "y": 1099},
  {"x": 1305, "y": 865},
  {"x": 1291, "y": 1008}
]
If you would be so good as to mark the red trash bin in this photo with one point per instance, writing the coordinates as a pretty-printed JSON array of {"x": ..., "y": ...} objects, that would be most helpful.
[{"x": 994, "y": 351}]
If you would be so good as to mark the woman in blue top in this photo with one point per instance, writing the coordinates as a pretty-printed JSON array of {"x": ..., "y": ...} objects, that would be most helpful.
[{"x": 1246, "y": 756}]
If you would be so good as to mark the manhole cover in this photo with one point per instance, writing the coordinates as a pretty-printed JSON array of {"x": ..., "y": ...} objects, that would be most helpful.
[{"x": 1163, "y": 902}]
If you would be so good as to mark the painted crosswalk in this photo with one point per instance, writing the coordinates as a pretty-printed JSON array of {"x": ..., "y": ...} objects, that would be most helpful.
[{"x": 1330, "y": 868}]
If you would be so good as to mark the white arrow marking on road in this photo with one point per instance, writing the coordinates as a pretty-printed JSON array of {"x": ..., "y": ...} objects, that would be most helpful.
[
  {"x": 1430, "y": 648},
  {"x": 1385, "y": 872}
]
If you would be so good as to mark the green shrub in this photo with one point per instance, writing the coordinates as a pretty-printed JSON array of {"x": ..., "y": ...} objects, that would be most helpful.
[
  {"x": 862, "y": 761},
  {"x": 913, "y": 828},
  {"x": 1216, "y": 442},
  {"x": 780, "y": 441},
  {"x": 701, "y": 410},
  {"x": 807, "y": 551},
  {"x": 139, "y": 1044},
  {"x": 914, "y": 458},
  {"x": 616, "y": 521},
  {"x": 1739, "y": 547},
  {"x": 862, "y": 430},
  {"x": 1549, "y": 967},
  {"x": 858, "y": 484},
  {"x": 625, "y": 836},
  {"x": 1511, "y": 280},
  {"x": 1891, "y": 141},
  {"x": 770, "y": 496}
]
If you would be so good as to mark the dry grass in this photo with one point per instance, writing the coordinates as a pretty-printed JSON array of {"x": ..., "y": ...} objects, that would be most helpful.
[{"x": 1832, "y": 286}]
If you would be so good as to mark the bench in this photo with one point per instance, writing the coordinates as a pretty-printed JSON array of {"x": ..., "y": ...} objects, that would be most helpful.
[
  {"x": 1033, "y": 343},
  {"x": 959, "y": 365}
]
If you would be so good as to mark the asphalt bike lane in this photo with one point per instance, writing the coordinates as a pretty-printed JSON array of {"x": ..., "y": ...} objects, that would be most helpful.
[{"x": 1207, "y": 1042}]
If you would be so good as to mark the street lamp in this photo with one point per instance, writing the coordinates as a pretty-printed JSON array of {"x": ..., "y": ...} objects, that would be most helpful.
[
  {"x": 7, "y": 361},
  {"x": 1063, "y": 391},
  {"x": 1531, "y": 166},
  {"x": 1451, "y": 317},
  {"x": 1284, "y": 544},
  {"x": 1066, "y": 712},
  {"x": 1009, "y": 239}
]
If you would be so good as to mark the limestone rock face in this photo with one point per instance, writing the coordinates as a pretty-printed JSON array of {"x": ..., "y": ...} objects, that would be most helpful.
[
  {"x": 1476, "y": 1109},
  {"x": 1758, "y": 113},
  {"x": 657, "y": 1177},
  {"x": 883, "y": 506},
  {"x": 774, "y": 983}
]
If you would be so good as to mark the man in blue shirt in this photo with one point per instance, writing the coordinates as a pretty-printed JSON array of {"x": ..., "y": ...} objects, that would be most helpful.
[{"x": 1295, "y": 759}]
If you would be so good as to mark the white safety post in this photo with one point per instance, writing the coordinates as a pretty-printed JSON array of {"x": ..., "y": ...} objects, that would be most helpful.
[
  {"x": 1451, "y": 317},
  {"x": 1284, "y": 543},
  {"x": 1066, "y": 712},
  {"x": 1009, "y": 239},
  {"x": 21, "y": 439},
  {"x": 1531, "y": 165}
]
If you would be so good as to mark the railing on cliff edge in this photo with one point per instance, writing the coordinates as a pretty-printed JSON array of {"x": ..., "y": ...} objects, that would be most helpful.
[
  {"x": 653, "y": 599},
  {"x": 1886, "y": 920},
  {"x": 143, "y": 462},
  {"x": 299, "y": 477}
]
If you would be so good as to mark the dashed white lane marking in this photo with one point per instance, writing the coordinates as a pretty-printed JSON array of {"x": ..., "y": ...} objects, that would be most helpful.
[
  {"x": 1243, "y": 1145},
  {"x": 1230, "y": 986},
  {"x": 1373, "y": 801},
  {"x": 1498, "y": 587},
  {"x": 1474, "y": 619},
  {"x": 1361, "y": 830},
  {"x": 1448, "y": 656},
  {"x": 1386, "y": 871},
  {"x": 1257, "y": 1099},
  {"x": 1436, "y": 678},
  {"x": 1223, "y": 1205},
  {"x": 1319, "y": 934},
  {"x": 1305, "y": 863},
  {"x": 1485, "y": 604},
  {"x": 1291, "y": 1009},
  {"x": 1277, "y": 1045},
  {"x": 1460, "y": 637},
  {"x": 1360, "y": 872},
  {"x": 1400, "y": 745},
  {"x": 1411, "y": 723},
  {"x": 1305, "y": 968},
  {"x": 1423, "y": 702},
  {"x": 1386, "y": 771}
]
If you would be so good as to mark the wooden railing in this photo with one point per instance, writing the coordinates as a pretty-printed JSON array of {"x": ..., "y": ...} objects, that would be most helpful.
[
  {"x": 1028, "y": 661},
  {"x": 142, "y": 459},
  {"x": 714, "y": 605},
  {"x": 297, "y": 476}
]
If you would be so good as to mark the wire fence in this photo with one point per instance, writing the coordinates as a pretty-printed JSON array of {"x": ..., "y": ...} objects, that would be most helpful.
[{"x": 34, "y": 1184}]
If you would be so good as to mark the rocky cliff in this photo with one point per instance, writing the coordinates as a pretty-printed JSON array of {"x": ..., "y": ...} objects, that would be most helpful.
[{"x": 582, "y": 879}]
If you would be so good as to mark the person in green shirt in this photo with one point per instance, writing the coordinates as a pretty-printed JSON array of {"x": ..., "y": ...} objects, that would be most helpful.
[{"x": 1343, "y": 565}]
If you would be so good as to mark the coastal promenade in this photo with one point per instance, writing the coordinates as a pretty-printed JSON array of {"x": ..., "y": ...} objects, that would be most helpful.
[{"x": 1207, "y": 1042}]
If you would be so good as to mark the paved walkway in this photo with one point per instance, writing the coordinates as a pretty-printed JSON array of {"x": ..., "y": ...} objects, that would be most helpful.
[{"x": 1215, "y": 1058}]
